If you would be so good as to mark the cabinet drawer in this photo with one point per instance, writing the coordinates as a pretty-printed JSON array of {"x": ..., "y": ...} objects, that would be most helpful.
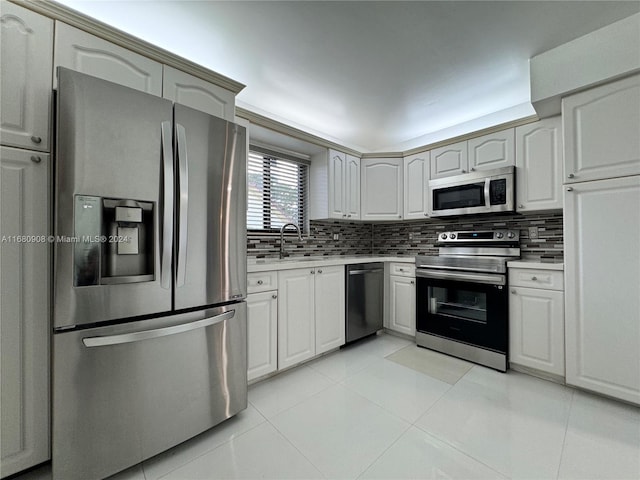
[
  {"x": 262, "y": 282},
  {"x": 527, "y": 277},
  {"x": 403, "y": 269}
]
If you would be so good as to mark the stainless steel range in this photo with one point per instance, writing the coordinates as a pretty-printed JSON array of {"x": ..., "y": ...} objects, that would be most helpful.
[{"x": 461, "y": 296}]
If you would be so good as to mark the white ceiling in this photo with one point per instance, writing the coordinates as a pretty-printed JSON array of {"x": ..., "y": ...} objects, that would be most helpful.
[{"x": 372, "y": 76}]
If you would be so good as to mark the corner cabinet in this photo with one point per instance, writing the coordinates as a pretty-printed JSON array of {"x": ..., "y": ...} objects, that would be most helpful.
[
  {"x": 382, "y": 185},
  {"x": 536, "y": 320},
  {"x": 185, "y": 89},
  {"x": 416, "y": 182},
  {"x": 335, "y": 186},
  {"x": 24, "y": 327},
  {"x": 602, "y": 270},
  {"x": 539, "y": 165},
  {"x": 25, "y": 77},
  {"x": 601, "y": 128},
  {"x": 86, "y": 53}
]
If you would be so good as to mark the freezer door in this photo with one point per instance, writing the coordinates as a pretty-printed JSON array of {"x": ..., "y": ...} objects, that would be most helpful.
[
  {"x": 124, "y": 393},
  {"x": 114, "y": 159},
  {"x": 210, "y": 235}
]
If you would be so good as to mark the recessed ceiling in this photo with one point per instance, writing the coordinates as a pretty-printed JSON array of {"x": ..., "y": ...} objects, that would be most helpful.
[{"x": 372, "y": 76}]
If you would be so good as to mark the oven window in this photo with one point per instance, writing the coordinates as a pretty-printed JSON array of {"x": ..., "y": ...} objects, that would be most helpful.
[
  {"x": 458, "y": 303},
  {"x": 462, "y": 196}
]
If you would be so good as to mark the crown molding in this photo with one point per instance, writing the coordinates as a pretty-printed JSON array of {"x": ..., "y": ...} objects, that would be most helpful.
[{"x": 76, "y": 19}]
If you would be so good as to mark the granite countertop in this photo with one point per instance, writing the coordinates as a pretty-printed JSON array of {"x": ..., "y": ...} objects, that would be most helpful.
[
  {"x": 268, "y": 264},
  {"x": 537, "y": 263}
]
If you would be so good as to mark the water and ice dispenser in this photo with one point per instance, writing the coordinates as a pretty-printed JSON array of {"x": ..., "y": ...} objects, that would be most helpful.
[{"x": 114, "y": 241}]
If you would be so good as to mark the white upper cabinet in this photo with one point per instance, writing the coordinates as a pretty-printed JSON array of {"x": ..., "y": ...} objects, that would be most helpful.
[
  {"x": 382, "y": 185},
  {"x": 494, "y": 150},
  {"x": 25, "y": 77},
  {"x": 194, "y": 92},
  {"x": 539, "y": 165},
  {"x": 80, "y": 51},
  {"x": 416, "y": 181},
  {"x": 449, "y": 160},
  {"x": 601, "y": 128},
  {"x": 335, "y": 186}
]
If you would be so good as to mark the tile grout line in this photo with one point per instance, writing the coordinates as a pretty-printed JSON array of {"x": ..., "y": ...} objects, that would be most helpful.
[
  {"x": 383, "y": 452},
  {"x": 566, "y": 429}
]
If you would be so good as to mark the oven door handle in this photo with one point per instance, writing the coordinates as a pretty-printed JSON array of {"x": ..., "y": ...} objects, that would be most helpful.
[{"x": 464, "y": 277}]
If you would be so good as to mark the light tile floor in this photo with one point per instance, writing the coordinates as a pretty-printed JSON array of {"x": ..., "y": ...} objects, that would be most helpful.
[{"x": 355, "y": 414}]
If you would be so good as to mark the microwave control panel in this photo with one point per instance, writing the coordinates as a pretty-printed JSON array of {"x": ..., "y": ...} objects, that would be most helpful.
[{"x": 498, "y": 192}]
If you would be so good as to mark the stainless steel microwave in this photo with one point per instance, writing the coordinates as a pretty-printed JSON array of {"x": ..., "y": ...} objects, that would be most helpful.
[{"x": 477, "y": 192}]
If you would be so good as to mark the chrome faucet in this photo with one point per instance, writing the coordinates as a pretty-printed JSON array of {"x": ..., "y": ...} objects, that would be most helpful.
[{"x": 282, "y": 236}]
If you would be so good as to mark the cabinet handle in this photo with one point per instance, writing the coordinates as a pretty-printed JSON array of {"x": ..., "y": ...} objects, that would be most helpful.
[
  {"x": 344, "y": 215},
  {"x": 349, "y": 215},
  {"x": 399, "y": 216},
  {"x": 401, "y": 269},
  {"x": 463, "y": 171},
  {"x": 412, "y": 282},
  {"x": 313, "y": 272},
  {"x": 274, "y": 296},
  {"x": 260, "y": 282},
  {"x": 513, "y": 292},
  {"x": 426, "y": 214},
  {"x": 473, "y": 169},
  {"x": 35, "y": 139},
  {"x": 571, "y": 175},
  {"x": 35, "y": 159},
  {"x": 569, "y": 189},
  {"x": 520, "y": 206},
  {"x": 319, "y": 271},
  {"x": 534, "y": 278}
]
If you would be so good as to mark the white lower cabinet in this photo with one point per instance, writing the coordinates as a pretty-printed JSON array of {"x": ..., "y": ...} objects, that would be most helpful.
[
  {"x": 402, "y": 300},
  {"x": 25, "y": 311},
  {"x": 536, "y": 328},
  {"x": 262, "y": 334},
  {"x": 310, "y": 313},
  {"x": 329, "y": 308}
]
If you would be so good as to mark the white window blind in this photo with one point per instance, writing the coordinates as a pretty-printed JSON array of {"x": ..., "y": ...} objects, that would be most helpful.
[{"x": 277, "y": 192}]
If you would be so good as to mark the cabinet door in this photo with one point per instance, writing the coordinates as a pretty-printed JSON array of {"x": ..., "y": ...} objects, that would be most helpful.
[
  {"x": 416, "y": 182},
  {"x": 337, "y": 169},
  {"x": 601, "y": 128},
  {"x": 24, "y": 328},
  {"x": 536, "y": 329},
  {"x": 539, "y": 165},
  {"x": 449, "y": 160},
  {"x": 402, "y": 305},
  {"x": 296, "y": 325},
  {"x": 80, "y": 51},
  {"x": 352, "y": 187},
  {"x": 381, "y": 188},
  {"x": 602, "y": 269},
  {"x": 262, "y": 334},
  {"x": 329, "y": 308},
  {"x": 26, "y": 61},
  {"x": 180, "y": 87},
  {"x": 494, "y": 150}
]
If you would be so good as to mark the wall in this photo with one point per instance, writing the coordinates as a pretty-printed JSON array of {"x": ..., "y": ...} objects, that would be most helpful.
[{"x": 393, "y": 238}]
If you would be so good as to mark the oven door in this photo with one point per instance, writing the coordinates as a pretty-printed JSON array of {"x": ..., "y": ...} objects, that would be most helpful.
[{"x": 467, "y": 307}]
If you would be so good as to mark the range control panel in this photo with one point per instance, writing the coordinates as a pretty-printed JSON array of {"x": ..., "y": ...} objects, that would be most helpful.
[{"x": 480, "y": 237}]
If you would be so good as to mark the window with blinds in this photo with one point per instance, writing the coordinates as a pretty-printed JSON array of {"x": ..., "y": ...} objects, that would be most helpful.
[{"x": 277, "y": 192}]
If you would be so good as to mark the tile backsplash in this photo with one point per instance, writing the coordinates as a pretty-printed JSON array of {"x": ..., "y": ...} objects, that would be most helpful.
[{"x": 409, "y": 238}]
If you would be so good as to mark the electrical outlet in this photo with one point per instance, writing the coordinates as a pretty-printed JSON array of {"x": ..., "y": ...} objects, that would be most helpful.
[
  {"x": 533, "y": 232},
  {"x": 336, "y": 236}
]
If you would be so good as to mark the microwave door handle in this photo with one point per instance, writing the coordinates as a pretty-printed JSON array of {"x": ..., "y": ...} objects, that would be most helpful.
[
  {"x": 167, "y": 205},
  {"x": 487, "y": 189},
  {"x": 183, "y": 210}
]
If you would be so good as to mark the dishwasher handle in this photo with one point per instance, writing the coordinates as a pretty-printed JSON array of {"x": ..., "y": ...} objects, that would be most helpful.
[
  {"x": 156, "y": 333},
  {"x": 358, "y": 272}
]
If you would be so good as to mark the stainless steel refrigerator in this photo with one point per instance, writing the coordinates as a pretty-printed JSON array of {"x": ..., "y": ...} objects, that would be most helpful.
[{"x": 149, "y": 318}]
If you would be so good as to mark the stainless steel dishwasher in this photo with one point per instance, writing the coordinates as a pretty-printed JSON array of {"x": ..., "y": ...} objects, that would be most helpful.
[{"x": 365, "y": 291}]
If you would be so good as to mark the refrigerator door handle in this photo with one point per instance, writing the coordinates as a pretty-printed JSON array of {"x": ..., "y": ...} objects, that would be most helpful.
[
  {"x": 156, "y": 333},
  {"x": 183, "y": 211},
  {"x": 167, "y": 206}
]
